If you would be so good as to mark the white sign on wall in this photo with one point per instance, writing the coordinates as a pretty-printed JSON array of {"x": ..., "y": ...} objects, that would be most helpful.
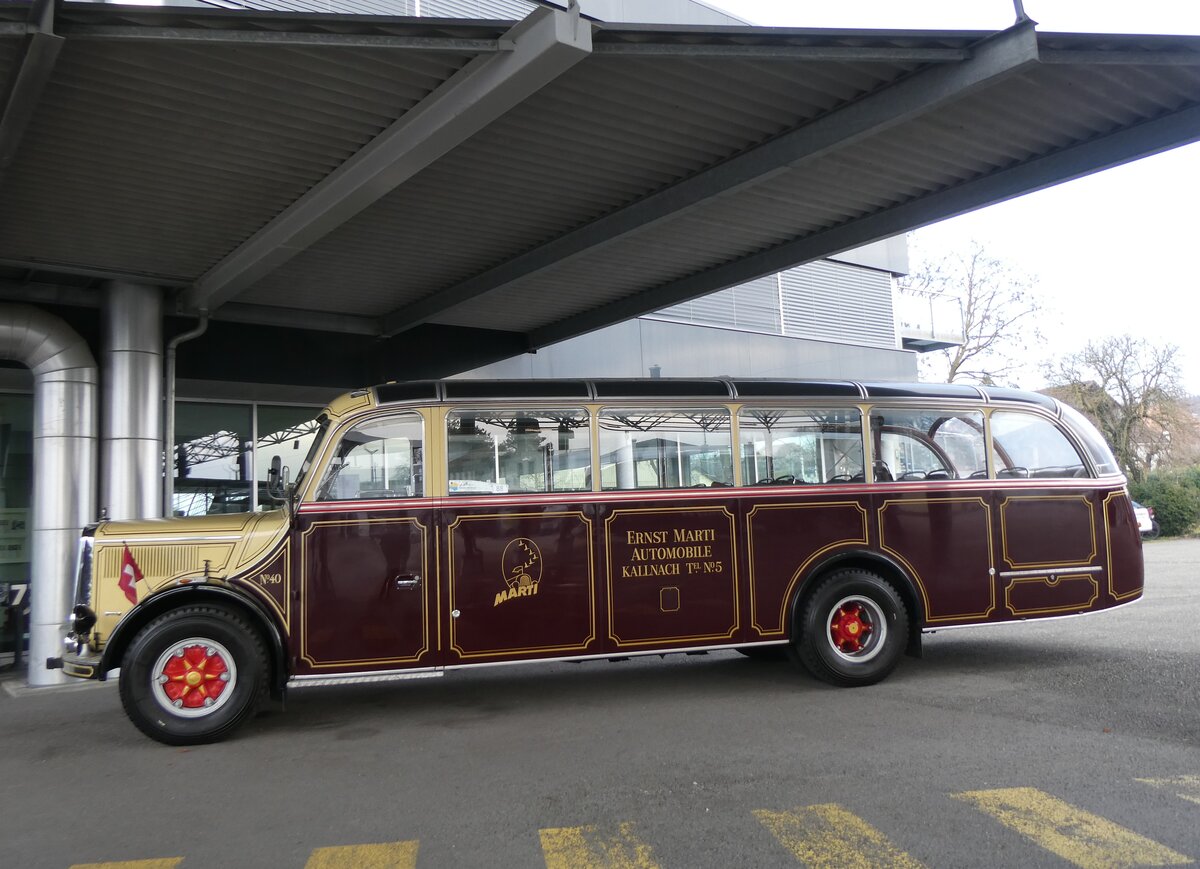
[{"x": 14, "y": 535}]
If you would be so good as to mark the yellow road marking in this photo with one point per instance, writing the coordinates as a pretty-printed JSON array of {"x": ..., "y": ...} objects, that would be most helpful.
[
  {"x": 1089, "y": 841},
  {"x": 388, "y": 855},
  {"x": 591, "y": 848},
  {"x": 828, "y": 836},
  {"x": 160, "y": 863},
  {"x": 1186, "y": 786}
]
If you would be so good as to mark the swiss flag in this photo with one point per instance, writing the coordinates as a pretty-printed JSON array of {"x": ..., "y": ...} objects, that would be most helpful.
[{"x": 130, "y": 574}]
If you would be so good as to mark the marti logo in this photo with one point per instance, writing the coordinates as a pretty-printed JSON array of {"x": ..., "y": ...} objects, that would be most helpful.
[{"x": 522, "y": 568}]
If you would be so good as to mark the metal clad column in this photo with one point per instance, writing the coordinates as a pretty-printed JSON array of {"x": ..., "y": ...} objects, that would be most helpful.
[
  {"x": 64, "y": 467},
  {"x": 131, "y": 359}
]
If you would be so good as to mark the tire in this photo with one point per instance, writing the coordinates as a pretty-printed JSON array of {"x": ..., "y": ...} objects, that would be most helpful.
[
  {"x": 853, "y": 629},
  {"x": 193, "y": 675},
  {"x": 1153, "y": 532}
]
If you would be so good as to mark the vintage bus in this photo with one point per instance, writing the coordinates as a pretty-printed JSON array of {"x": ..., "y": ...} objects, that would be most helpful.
[{"x": 441, "y": 525}]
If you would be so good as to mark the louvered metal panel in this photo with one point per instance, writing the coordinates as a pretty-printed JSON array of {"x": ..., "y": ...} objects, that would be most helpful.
[
  {"x": 340, "y": 7},
  {"x": 749, "y": 307},
  {"x": 503, "y": 10},
  {"x": 492, "y": 10},
  {"x": 840, "y": 303}
]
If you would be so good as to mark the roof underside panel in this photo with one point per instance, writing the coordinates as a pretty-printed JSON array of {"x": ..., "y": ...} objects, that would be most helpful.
[
  {"x": 170, "y": 155},
  {"x": 593, "y": 141},
  {"x": 1000, "y": 127},
  {"x": 165, "y": 139}
]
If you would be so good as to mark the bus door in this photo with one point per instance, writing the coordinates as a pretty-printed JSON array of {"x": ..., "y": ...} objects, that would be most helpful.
[
  {"x": 935, "y": 516},
  {"x": 365, "y": 577},
  {"x": 518, "y": 537},
  {"x": 1050, "y": 551}
]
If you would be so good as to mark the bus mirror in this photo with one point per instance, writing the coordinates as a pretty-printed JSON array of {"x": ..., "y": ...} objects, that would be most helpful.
[{"x": 275, "y": 478}]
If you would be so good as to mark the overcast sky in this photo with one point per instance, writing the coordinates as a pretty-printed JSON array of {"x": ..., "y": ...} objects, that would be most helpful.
[{"x": 1114, "y": 252}]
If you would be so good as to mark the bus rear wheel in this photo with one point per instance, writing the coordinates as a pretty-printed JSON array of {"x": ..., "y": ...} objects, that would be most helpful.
[
  {"x": 193, "y": 675},
  {"x": 853, "y": 629}
]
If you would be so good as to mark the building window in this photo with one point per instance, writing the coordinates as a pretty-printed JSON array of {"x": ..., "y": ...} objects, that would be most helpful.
[
  {"x": 211, "y": 458},
  {"x": 285, "y": 431},
  {"x": 222, "y": 450}
]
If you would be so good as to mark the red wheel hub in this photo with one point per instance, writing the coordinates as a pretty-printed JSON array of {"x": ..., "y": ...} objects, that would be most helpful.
[
  {"x": 196, "y": 677},
  {"x": 850, "y": 627}
]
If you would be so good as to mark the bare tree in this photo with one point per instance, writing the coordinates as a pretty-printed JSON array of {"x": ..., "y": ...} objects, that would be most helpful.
[
  {"x": 999, "y": 311},
  {"x": 1131, "y": 389}
]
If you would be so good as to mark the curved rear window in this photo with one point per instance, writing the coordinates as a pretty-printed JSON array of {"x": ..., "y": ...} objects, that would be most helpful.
[
  {"x": 1026, "y": 445},
  {"x": 1092, "y": 440}
]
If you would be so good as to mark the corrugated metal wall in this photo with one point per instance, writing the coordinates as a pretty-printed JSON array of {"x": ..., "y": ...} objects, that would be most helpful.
[
  {"x": 826, "y": 301},
  {"x": 834, "y": 302},
  {"x": 501, "y": 10},
  {"x": 652, "y": 11},
  {"x": 752, "y": 307},
  {"x": 497, "y": 10}
]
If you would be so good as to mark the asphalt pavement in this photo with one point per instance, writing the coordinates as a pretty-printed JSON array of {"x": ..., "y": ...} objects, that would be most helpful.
[{"x": 1066, "y": 742}]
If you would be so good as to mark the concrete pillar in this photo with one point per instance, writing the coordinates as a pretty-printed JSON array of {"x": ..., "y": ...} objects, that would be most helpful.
[{"x": 131, "y": 415}]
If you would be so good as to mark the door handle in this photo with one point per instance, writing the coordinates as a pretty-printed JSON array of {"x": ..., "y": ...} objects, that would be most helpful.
[{"x": 406, "y": 580}]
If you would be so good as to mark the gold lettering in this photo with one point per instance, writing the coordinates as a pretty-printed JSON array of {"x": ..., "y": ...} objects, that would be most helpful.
[
  {"x": 636, "y": 570},
  {"x": 642, "y": 538},
  {"x": 699, "y": 535}
]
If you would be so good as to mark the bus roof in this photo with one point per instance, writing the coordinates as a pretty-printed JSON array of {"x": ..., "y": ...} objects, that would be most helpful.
[{"x": 670, "y": 387}]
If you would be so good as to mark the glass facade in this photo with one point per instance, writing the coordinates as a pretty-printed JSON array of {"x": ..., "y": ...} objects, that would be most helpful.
[
  {"x": 222, "y": 453},
  {"x": 16, "y": 492}
]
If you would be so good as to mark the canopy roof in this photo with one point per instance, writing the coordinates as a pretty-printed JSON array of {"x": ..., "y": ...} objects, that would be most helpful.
[{"x": 521, "y": 183}]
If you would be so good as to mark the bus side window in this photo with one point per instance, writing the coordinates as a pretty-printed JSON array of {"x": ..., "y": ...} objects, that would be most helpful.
[
  {"x": 916, "y": 444},
  {"x": 791, "y": 446},
  {"x": 1030, "y": 446},
  {"x": 650, "y": 448},
  {"x": 380, "y": 458},
  {"x": 498, "y": 451}
]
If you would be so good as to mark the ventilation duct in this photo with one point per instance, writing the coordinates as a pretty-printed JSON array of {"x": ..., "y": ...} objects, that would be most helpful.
[{"x": 64, "y": 466}]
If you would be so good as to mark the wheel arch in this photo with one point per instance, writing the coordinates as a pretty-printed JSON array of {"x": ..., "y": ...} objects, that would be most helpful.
[
  {"x": 159, "y": 604},
  {"x": 875, "y": 562}
]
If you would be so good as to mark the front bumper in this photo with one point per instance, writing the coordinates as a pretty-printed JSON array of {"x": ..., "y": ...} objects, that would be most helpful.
[{"x": 79, "y": 666}]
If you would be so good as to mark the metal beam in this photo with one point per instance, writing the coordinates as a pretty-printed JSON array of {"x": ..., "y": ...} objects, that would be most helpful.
[
  {"x": 293, "y": 318},
  {"x": 992, "y": 59},
  {"x": 25, "y": 89},
  {"x": 51, "y": 269},
  {"x": 544, "y": 46},
  {"x": 37, "y": 292},
  {"x": 1131, "y": 143},
  {"x": 1123, "y": 57}
]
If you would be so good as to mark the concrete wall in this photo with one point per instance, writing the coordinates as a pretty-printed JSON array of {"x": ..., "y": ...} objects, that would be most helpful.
[{"x": 681, "y": 350}]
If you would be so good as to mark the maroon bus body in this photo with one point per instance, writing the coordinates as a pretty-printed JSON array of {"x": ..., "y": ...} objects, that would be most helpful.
[{"x": 423, "y": 583}]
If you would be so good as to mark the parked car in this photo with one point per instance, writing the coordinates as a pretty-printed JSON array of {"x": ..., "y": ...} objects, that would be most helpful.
[{"x": 1147, "y": 524}]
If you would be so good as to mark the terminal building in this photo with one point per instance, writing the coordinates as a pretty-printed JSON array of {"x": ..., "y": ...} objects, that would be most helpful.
[{"x": 217, "y": 215}]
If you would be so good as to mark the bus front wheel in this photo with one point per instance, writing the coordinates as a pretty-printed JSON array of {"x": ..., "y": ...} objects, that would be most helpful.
[
  {"x": 853, "y": 629},
  {"x": 193, "y": 675}
]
